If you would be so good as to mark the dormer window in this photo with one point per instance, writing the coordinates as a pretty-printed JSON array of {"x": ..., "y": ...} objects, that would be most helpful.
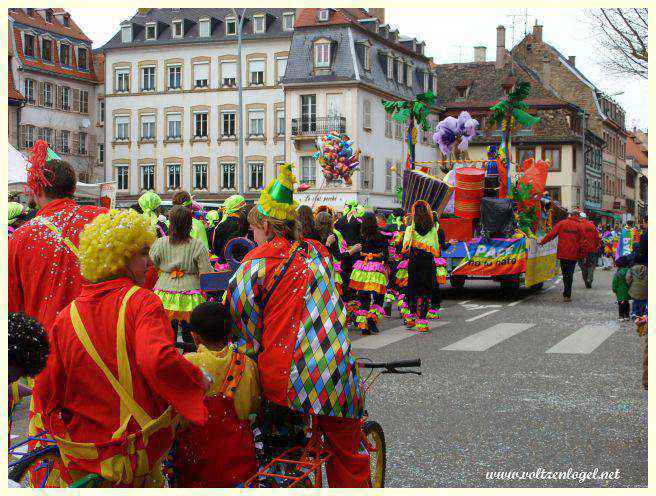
[
  {"x": 322, "y": 53},
  {"x": 399, "y": 71},
  {"x": 151, "y": 31},
  {"x": 324, "y": 15},
  {"x": 390, "y": 67},
  {"x": 49, "y": 16},
  {"x": 177, "y": 29},
  {"x": 126, "y": 33},
  {"x": 46, "y": 50},
  {"x": 204, "y": 28},
  {"x": 408, "y": 77},
  {"x": 288, "y": 21},
  {"x": 462, "y": 90},
  {"x": 66, "y": 20},
  {"x": 231, "y": 26},
  {"x": 30, "y": 12},
  {"x": 258, "y": 24},
  {"x": 82, "y": 60},
  {"x": 367, "y": 57},
  {"x": 28, "y": 44},
  {"x": 426, "y": 82},
  {"x": 64, "y": 55}
]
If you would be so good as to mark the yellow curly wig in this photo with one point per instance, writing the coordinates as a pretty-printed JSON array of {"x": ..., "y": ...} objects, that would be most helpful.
[{"x": 110, "y": 240}]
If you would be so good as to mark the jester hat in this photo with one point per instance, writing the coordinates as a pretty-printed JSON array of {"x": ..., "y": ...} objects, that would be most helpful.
[
  {"x": 231, "y": 205},
  {"x": 149, "y": 202},
  {"x": 277, "y": 199}
]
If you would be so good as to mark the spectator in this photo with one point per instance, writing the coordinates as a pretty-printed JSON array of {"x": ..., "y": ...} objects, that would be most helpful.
[
  {"x": 636, "y": 278},
  {"x": 621, "y": 288},
  {"x": 590, "y": 243}
]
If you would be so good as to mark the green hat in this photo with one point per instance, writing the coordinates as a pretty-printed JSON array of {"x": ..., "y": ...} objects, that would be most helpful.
[
  {"x": 15, "y": 209},
  {"x": 212, "y": 217},
  {"x": 149, "y": 202},
  {"x": 231, "y": 205},
  {"x": 277, "y": 199}
]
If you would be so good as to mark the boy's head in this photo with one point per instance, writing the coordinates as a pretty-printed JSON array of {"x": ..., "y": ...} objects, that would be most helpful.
[
  {"x": 209, "y": 324},
  {"x": 624, "y": 262},
  {"x": 28, "y": 346}
]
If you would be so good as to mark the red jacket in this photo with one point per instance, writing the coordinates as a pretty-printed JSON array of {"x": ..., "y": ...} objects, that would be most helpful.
[
  {"x": 591, "y": 240},
  {"x": 570, "y": 235}
]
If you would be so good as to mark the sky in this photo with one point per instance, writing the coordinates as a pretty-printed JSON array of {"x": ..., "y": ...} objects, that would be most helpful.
[{"x": 452, "y": 33}]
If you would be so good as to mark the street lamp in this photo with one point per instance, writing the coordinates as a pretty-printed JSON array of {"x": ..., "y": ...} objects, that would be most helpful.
[{"x": 240, "y": 95}]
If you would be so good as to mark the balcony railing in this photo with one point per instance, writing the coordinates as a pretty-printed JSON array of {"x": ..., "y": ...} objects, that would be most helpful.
[{"x": 318, "y": 126}]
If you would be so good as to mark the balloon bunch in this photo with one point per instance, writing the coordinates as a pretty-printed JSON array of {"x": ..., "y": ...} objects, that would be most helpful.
[{"x": 337, "y": 157}]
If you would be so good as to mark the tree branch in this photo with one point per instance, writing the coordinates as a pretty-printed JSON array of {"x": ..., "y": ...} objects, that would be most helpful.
[{"x": 637, "y": 36}]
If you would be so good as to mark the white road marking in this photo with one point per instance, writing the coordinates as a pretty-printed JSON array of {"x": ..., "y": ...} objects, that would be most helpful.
[
  {"x": 519, "y": 301},
  {"x": 481, "y": 315},
  {"x": 585, "y": 340},
  {"x": 389, "y": 336},
  {"x": 484, "y": 340},
  {"x": 464, "y": 302}
]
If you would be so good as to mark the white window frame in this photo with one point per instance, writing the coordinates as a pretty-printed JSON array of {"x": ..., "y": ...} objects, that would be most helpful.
[
  {"x": 252, "y": 172},
  {"x": 324, "y": 15},
  {"x": 279, "y": 73},
  {"x": 388, "y": 175},
  {"x": 126, "y": 28},
  {"x": 390, "y": 67},
  {"x": 34, "y": 39},
  {"x": 149, "y": 120},
  {"x": 228, "y": 169},
  {"x": 366, "y": 114},
  {"x": 145, "y": 171},
  {"x": 65, "y": 133},
  {"x": 322, "y": 54},
  {"x": 66, "y": 97},
  {"x": 285, "y": 18},
  {"x": 223, "y": 124},
  {"x": 389, "y": 126},
  {"x": 400, "y": 67},
  {"x": 142, "y": 73},
  {"x": 67, "y": 46},
  {"x": 175, "y": 23},
  {"x": 253, "y": 117},
  {"x": 280, "y": 119},
  {"x": 367, "y": 57},
  {"x": 168, "y": 125},
  {"x": 259, "y": 18},
  {"x": 169, "y": 167},
  {"x": 251, "y": 72},
  {"x": 30, "y": 89},
  {"x": 122, "y": 71},
  {"x": 230, "y": 21},
  {"x": 51, "y": 87},
  {"x": 233, "y": 82},
  {"x": 207, "y": 124},
  {"x": 148, "y": 26},
  {"x": 101, "y": 153},
  {"x": 122, "y": 174},
  {"x": 82, "y": 150},
  {"x": 308, "y": 170},
  {"x": 410, "y": 75},
  {"x": 169, "y": 69},
  {"x": 86, "y": 58},
  {"x": 194, "y": 66},
  {"x": 120, "y": 123},
  {"x": 205, "y": 21},
  {"x": 30, "y": 136},
  {"x": 84, "y": 102},
  {"x": 426, "y": 81},
  {"x": 52, "y": 49},
  {"x": 194, "y": 166}
]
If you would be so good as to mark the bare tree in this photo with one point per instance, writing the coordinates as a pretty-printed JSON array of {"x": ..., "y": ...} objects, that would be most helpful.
[{"x": 622, "y": 38}]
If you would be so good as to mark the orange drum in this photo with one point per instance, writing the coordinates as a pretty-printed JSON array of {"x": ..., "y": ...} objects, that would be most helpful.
[{"x": 470, "y": 187}]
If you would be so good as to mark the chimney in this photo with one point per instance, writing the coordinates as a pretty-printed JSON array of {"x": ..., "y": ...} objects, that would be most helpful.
[
  {"x": 572, "y": 60},
  {"x": 479, "y": 53},
  {"x": 380, "y": 13},
  {"x": 537, "y": 31},
  {"x": 546, "y": 70},
  {"x": 501, "y": 47}
]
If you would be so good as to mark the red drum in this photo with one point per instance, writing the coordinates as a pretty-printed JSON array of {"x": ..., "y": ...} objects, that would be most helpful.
[{"x": 470, "y": 187}]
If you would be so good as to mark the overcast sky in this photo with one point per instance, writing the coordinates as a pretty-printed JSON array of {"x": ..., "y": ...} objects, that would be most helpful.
[{"x": 451, "y": 34}]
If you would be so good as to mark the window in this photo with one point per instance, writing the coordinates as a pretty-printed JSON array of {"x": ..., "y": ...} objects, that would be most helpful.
[
  {"x": 173, "y": 126},
  {"x": 390, "y": 67},
  {"x": 367, "y": 173},
  {"x": 151, "y": 31},
  {"x": 288, "y": 21},
  {"x": 201, "y": 75},
  {"x": 256, "y": 173},
  {"x": 228, "y": 123},
  {"x": 147, "y": 79},
  {"x": 524, "y": 153},
  {"x": 366, "y": 115},
  {"x": 122, "y": 177},
  {"x": 46, "y": 50},
  {"x": 388, "y": 175},
  {"x": 426, "y": 82},
  {"x": 82, "y": 62},
  {"x": 126, "y": 33},
  {"x": 308, "y": 113},
  {"x": 398, "y": 130},
  {"x": 29, "y": 45},
  {"x": 228, "y": 74},
  {"x": 123, "y": 80},
  {"x": 101, "y": 153},
  {"x": 367, "y": 57},
  {"x": 173, "y": 176},
  {"x": 148, "y": 127},
  {"x": 228, "y": 176},
  {"x": 399, "y": 71},
  {"x": 65, "y": 98},
  {"x": 200, "y": 124},
  {"x": 258, "y": 24},
  {"x": 281, "y": 67},
  {"x": 177, "y": 29},
  {"x": 82, "y": 143},
  {"x": 324, "y": 15},
  {"x": 84, "y": 102},
  {"x": 554, "y": 193},
  {"x": 408, "y": 77},
  {"x": 553, "y": 154},
  {"x": 231, "y": 26},
  {"x": 122, "y": 128},
  {"x": 65, "y": 55},
  {"x": 47, "y": 94},
  {"x": 256, "y": 123},
  {"x": 204, "y": 28},
  {"x": 47, "y": 134},
  {"x": 27, "y": 136},
  {"x": 147, "y": 177},
  {"x": 574, "y": 155},
  {"x": 308, "y": 170},
  {"x": 256, "y": 69},
  {"x": 64, "y": 141},
  {"x": 322, "y": 54},
  {"x": 175, "y": 77},
  {"x": 200, "y": 176},
  {"x": 29, "y": 90},
  {"x": 280, "y": 122},
  {"x": 101, "y": 111},
  {"x": 388, "y": 125}
]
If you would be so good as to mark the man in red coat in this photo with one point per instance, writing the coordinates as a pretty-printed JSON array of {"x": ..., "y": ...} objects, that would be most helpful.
[
  {"x": 590, "y": 244},
  {"x": 569, "y": 234}
]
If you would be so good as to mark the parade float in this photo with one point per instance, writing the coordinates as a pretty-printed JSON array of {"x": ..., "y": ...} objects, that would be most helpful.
[{"x": 492, "y": 211}]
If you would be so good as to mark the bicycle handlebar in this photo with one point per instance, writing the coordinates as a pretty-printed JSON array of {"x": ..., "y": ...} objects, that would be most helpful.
[{"x": 392, "y": 367}]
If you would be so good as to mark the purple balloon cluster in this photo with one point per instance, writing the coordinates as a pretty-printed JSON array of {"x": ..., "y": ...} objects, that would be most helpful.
[{"x": 451, "y": 130}]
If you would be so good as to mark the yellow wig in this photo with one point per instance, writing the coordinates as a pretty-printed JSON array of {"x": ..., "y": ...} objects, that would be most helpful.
[{"x": 110, "y": 240}]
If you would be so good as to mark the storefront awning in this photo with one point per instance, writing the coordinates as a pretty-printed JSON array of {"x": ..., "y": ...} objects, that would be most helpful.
[{"x": 604, "y": 213}]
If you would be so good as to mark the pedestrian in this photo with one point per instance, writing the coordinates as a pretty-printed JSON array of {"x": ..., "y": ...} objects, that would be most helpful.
[
  {"x": 636, "y": 278},
  {"x": 289, "y": 317},
  {"x": 114, "y": 378},
  {"x": 220, "y": 453},
  {"x": 197, "y": 227},
  {"x": 641, "y": 252},
  {"x": 569, "y": 235},
  {"x": 334, "y": 242},
  {"x": 306, "y": 222},
  {"x": 590, "y": 244},
  {"x": 621, "y": 288},
  {"x": 232, "y": 225},
  {"x": 180, "y": 259}
]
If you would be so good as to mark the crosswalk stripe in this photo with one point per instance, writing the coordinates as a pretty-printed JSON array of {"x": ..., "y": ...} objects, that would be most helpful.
[
  {"x": 491, "y": 336},
  {"x": 585, "y": 340},
  {"x": 482, "y": 315},
  {"x": 389, "y": 336}
]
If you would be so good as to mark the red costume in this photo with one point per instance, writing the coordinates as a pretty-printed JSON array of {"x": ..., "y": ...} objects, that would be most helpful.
[
  {"x": 125, "y": 443},
  {"x": 591, "y": 240},
  {"x": 570, "y": 235}
]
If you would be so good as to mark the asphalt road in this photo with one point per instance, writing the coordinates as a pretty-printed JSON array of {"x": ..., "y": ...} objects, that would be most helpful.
[{"x": 522, "y": 383}]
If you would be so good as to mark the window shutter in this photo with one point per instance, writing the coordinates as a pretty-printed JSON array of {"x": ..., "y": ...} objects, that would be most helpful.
[
  {"x": 74, "y": 143},
  {"x": 92, "y": 149},
  {"x": 39, "y": 133},
  {"x": 40, "y": 96},
  {"x": 53, "y": 138},
  {"x": 76, "y": 100}
]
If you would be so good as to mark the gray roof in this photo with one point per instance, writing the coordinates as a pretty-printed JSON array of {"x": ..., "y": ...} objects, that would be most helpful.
[
  {"x": 347, "y": 62},
  {"x": 165, "y": 17}
]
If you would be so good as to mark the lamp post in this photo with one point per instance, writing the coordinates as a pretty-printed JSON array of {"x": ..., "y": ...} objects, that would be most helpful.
[{"x": 240, "y": 102}]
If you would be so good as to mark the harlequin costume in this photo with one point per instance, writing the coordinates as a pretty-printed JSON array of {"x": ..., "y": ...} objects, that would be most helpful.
[
  {"x": 222, "y": 452},
  {"x": 114, "y": 383},
  {"x": 288, "y": 314}
]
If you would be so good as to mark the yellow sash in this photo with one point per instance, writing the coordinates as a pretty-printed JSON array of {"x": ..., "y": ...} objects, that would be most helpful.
[{"x": 66, "y": 241}]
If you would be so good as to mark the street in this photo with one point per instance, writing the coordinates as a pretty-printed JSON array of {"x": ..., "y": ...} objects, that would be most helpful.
[{"x": 513, "y": 384}]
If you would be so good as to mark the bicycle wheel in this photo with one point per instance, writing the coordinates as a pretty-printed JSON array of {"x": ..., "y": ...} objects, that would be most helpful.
[
  {"x": 378, "y": 452},
  {"x": 41, "y": 462}
]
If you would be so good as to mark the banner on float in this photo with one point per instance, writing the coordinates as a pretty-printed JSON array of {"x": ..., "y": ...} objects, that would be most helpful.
[
  {"x": 541, "y": 262},
  {"x": 494, "y": 257},
  {"x": 108, "y": 195}
]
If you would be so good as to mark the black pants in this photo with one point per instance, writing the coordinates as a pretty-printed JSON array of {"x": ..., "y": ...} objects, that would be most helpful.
[
  {"x": 588, "y": 265},
  {"x": 567, "y": 268},
  {"x": 434, "y": 299},
  {"x": 624, "y": 308}
]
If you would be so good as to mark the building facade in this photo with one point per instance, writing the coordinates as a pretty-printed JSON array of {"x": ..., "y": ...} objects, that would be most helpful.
[
  {"x": 171, "y": 101},
  {"x": 636, "y": 175},
  {"x": 15, "y": 102},
  {"x": 53, "y": 67},
  {"x": 342, "y": 63}
]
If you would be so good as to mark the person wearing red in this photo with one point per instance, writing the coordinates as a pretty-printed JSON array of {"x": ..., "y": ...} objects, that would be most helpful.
[
  {"x": 570, "y": 234},
  {"x": 590, "y": 244},
  {"x": 115, "y": 386}
]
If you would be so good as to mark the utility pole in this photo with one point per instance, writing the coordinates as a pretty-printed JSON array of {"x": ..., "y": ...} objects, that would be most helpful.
[{"x": 241, "y": 188}]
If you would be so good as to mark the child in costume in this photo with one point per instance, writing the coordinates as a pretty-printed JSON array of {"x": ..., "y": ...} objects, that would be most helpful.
[
  {"x": 421, "y": 243},
  {"x": 197, "y": 227},
  {"x": 334, "y": 242},
  {"x": 222, "y": 452},
  {"x": 621, "y": 288},
  {"x": 369, "y": 276},
  {"x": 393, "y": 231},
  {"x": 180, "y": 259},
  {"x": 232, "y": 225}
]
